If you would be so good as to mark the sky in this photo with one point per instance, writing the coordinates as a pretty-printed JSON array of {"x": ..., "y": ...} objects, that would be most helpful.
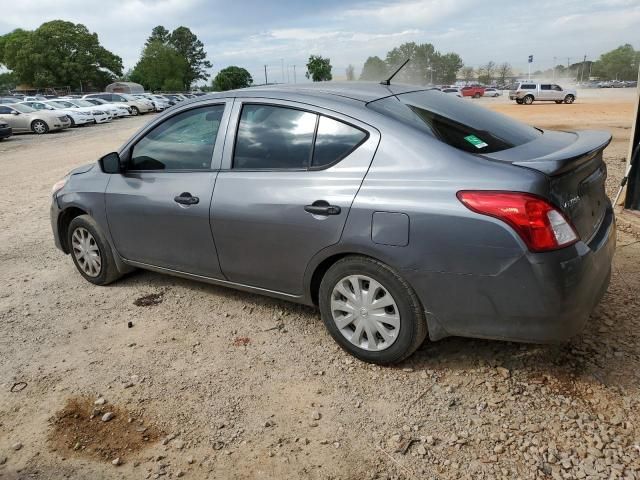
[{"x": 254, "y": 33}]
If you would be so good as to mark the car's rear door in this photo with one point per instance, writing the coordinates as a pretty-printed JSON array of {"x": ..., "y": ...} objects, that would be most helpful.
[
  {"x": 158, "y": 210},
  {"x": 289, "y": 175}
]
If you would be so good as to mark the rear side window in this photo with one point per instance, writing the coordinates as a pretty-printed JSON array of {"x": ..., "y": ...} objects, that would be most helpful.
[
  {"x": 334, "y": 141},
  {"x": 527, "y": 86},
  {"x": 271, "y": 137},
  {"x": 459, "y": 124}
]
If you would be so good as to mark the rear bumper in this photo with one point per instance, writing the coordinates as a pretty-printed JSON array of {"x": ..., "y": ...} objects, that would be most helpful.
[{"x": 539, "y": 298}]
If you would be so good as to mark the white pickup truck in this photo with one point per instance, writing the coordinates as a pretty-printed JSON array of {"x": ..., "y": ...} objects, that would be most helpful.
[{"x": 528, "y": 92}]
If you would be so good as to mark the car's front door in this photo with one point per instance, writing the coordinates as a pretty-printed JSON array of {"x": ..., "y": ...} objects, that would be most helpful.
[
  {"x": 557, "y": 93},
  {"x": 16, "y": 120},
  {"x": 158, "y": 210},
  {"x": 289, "y": 175}
]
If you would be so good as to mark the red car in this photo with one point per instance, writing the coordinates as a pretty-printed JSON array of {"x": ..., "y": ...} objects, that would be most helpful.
[{"x": 474, "y": 91}]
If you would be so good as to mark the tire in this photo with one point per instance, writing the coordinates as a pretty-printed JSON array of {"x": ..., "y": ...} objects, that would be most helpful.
[
  {"x": 559, "y": 101},
  {"x": 519, "y": 101},
  {"x": 527, "y": 100},
  {"x": 406, "y": 310},
  {"x": 86, "y": 229},
  {"x": 569, "y": 99},
  {"x": 73, "y": 124},
  {"x": 135, "y": 112},
  {"x": 476, "y": 95},
  {"x": 39, "y": 127}
]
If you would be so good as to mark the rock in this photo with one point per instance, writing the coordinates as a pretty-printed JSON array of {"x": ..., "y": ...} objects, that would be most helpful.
[
  {"x": 3, "y": 460},
  {"x": 100, "y": 401},
  {"x": 116, "y": 462},
  {"x": 503, "y": 372},
  {"x": 430, "y": 440},
  {"x": 315, "y": 415},
  {"x": 178, "y": 444},
  {"x": 128, "y": 385},
  {"x": 179, "y": 473},
  {"x": 269, "y": 423},
  {"x": 421, "y": 450},
  {"x": 16, "y": 446},
  {"x": 498, "y": 449},
  {"x": 189, "y": 460},
  {"x": 108, "y": 416}
]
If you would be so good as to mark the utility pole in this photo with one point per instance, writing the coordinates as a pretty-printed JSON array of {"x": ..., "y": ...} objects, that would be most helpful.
[
  {"x": 582, "y": 69},
  {"x": 294, "y": 74},
  {"x": 282, "y": 63},
  {"x": 266, "y": 81},
  {"x": 554, "y": 69}
]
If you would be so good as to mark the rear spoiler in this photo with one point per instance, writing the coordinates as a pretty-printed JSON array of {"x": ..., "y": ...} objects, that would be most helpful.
[{"x": 569, "y": 150}]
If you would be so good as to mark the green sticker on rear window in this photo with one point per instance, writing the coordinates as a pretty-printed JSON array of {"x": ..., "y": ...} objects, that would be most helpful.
[{"x": 475, "y": 141}]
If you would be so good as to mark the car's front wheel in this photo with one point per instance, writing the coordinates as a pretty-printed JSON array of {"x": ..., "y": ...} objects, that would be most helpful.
[
  {"x": 371, "y": 311},
  {"x": 559, "y": 101},
  {"x": 569, "y": 99},
  {"x": 90, "y": 251},
  {"x": 134, "y": 111},
  {"x": 39, "y": 127},
  {"x": 528, "y": 100}
]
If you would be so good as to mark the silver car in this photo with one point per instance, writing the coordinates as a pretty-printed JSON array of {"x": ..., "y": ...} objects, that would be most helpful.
[
  {"x": 528, "y": 92},
  {"x": 400, "y": 213},
  {"x": 22, "y": 118}
]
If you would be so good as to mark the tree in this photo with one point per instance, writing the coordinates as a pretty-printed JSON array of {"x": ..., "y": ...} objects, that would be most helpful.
[
  {"x": 619, "y": 64},
  {"x": 446, "y": 67},
  {"x": 486, "y": 73},
  {"x": 159, "y": 34},
  {"x": 192, "y": 49},
  {"x": 59, "y": 53},
  {"x": 504, "y": 72},
  {"x": 231, "y": 78},
  {"x": 350, "y": 73},
  {"x": 420, "y": 69},
  {"x": 374, "y": 69},
  {"x": 468, "y": 74},
  {"x": 8, "y": 81},
  {"x": 319, "y": 68},
  {"x": 160, "y": 67}
]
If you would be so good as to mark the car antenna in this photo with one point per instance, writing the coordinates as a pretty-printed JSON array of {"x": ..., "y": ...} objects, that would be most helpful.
[{"x": 388, "y": 80}]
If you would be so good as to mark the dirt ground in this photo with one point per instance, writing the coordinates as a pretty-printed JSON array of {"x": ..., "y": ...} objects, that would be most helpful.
[{"x": 229, "y": 385}]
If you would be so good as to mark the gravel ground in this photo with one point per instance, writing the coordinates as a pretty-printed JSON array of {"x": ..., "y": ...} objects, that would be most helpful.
[{"x": 213, "y": 383}]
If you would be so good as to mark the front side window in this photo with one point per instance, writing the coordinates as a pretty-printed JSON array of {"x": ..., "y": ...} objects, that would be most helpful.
[
  {"x": 557, "y": 88},
  {"x": 183, "y": 142},
  {"x": 271, "y": 137},
  {"x": 459, "y": 124},
  {"x": 545, "y": 87},
  {"x": 334, "y": 141}
]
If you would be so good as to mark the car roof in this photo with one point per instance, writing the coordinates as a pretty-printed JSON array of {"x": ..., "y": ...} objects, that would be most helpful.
[{"x": 359, "y": 91}]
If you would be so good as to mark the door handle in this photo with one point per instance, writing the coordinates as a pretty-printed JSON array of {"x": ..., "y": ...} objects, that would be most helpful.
[
  {"x": 185, "y": 198},
  {"x": 322, "y": 207}
]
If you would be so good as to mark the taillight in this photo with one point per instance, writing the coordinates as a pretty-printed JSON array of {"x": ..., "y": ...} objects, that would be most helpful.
[{"x": 540, "y": 225}]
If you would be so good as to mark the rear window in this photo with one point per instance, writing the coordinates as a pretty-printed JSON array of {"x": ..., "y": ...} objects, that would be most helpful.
[{"x": 455, "y": 122}]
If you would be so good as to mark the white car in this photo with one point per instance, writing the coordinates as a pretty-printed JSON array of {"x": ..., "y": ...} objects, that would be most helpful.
[
  {"x": 76, "y": 116},
  {"x": 136, "y": 105},
  {"x": 452, "y": 91},
  {"x": 159, "y": 103},
  {"x": 99, "y": 114},
  {"x": 492, "y": 92},
  {"x": 118, "y": 110}
]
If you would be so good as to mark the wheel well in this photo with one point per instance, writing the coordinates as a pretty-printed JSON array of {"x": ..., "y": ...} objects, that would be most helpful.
[
  {"x": 319, "y": 272},
  {"x": 63, "y": 224}
]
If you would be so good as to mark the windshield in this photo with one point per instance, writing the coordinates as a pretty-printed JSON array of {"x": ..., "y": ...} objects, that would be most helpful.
[
  {"x": 62, "y": 104},
  {"x": 128, "y": 97},
  {"x": 23, "y": 108},
  {"x": 97, "y": 101},
  {"x": 83, "y": 103},
  {"x": 456, "y": 122}
]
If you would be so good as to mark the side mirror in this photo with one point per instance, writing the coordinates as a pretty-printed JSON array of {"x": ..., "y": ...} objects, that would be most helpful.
[
  {"x": 112, "y": 163},
  {"x": 13, "y": 112}
]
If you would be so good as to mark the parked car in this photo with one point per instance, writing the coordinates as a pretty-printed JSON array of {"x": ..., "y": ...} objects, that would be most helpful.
[
  {"x": 5, "y": 130},
  {"x": 8, "y": 100},
  {"x": 117, "y": 110},
  {"x": 99, "y": 115},
  {"x": 77, "y": 117},
  {"x": 528, "y": 92},
  {"x": 452, "y": 91},
  {"x": 137, "y": 105},
  {"x": 474, "y": 91},
  {"x": 322, "y": 195},
  {"x": 22, "y": 118},
  {"x": 492, "y": 92},
  {"x": 34, "y": 98},
  {"x": 159, "y": 103}
]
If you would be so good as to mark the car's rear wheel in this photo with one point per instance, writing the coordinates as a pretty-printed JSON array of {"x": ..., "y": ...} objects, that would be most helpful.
[
  {"x": 569, "y": 99},
  {"x": 519, "y": 101},
  {"x": 476, "y": 95},
  {"x": 90, "y": 251},
  {"x": 73, "y": 124},
  {"x": 134, "y": 111},
  {"x": 39, "y": 127},
  {"x": 558, "y": 101},
  {"x": 370, "y": 311},
  {"x": 528, "y": 100}
]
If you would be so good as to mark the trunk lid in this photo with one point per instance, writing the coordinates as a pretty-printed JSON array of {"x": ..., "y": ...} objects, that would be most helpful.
[{"x": 573, "y": 162}]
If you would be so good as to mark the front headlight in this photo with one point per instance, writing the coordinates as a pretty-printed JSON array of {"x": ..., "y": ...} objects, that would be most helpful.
[{"x": 59, "y": 185}]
